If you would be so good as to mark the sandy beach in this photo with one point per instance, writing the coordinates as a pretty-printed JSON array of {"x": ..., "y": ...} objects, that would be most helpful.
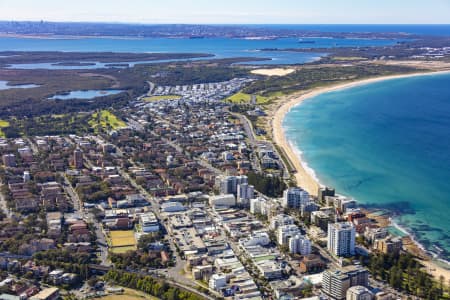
[{"x": 305, "y": 176}]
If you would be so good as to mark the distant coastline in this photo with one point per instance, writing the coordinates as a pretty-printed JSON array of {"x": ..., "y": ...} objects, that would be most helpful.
[{"x": 65, "y": 37}]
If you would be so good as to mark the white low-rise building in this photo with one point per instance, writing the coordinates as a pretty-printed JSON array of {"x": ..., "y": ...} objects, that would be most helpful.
[
  {"x": 256, "y": 238},
  {"x": 227, "y": 200},
  {"x": 359, "y": 292},
  {"x": 172, "y": 207},
  {"x": 149, "y": 222},
  {"x": 217, "y": 281}
]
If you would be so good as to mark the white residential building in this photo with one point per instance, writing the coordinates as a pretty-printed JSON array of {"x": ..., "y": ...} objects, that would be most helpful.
[
  {"x": 258, "y": 206},
  {"x": 341, "y": 238},
  {"x": 299, "y": 245},
  {"x": 286, "y": 232},
  {"x": 295, "y": 197},
  {"x": 281, "y": 220}
]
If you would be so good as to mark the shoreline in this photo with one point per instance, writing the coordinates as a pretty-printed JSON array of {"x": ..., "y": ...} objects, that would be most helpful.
[{"x": 304, "y": 175}]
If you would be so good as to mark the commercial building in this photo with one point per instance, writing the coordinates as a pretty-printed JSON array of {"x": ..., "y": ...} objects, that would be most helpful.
[
  {"x": 172, "y": 207},
  {"x": 341, "y": 239},
  {"x": 335, "y": 283},
  {"x": 217, "y": 281},
  {"x": 295, "y": 197},
  {"x": 226, "y": 200},
  {"x": 149, "y": 222}
]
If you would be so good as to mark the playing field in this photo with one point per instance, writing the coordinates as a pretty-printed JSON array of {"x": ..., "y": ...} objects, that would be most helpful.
[
  {"x": 243, "y": 98},
  {"x": 122, "y": 238}
]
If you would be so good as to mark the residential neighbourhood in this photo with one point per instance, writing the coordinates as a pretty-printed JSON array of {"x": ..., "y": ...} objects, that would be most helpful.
[{"x": 174, "y": 194}]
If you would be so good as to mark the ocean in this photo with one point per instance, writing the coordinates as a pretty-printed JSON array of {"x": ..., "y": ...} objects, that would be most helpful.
[{"x": 386, "y": 144}]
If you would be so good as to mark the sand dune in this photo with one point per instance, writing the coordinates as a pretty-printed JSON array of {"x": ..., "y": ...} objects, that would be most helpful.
[{"x": 273, "y": 72}]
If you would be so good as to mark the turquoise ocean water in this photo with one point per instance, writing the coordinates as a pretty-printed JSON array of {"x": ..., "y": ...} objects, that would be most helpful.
[{"x": 386, "y": 144}]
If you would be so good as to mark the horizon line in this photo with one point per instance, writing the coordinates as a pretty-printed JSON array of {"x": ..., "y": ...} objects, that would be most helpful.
[{"x": 217, "y": 24}]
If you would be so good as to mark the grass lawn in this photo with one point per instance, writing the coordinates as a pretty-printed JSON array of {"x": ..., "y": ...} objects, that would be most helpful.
[
  {"x": 122, "y": 238},
  {"x": 106, "y": 120},
  {"x": 3, "y": 124},
  {"x": 121, "y": 250},
  {"x": 129, "y": 294},
  {"x": 240, "y": 98},
  {"x": 163, "y": 97}
]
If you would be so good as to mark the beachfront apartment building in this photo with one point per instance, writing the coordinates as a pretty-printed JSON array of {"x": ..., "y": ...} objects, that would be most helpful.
[
  {"x": 295, "y": 197},
  {"x": 341, "y": 238}
]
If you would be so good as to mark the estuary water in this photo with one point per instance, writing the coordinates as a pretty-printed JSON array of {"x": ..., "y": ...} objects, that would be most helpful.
[
  {"x": 386, "y": 144},
  {"x": 219, "y": 47}
]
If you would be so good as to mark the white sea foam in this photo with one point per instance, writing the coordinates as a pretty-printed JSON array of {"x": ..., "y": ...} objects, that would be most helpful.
[{"x": 304, "y": 164}]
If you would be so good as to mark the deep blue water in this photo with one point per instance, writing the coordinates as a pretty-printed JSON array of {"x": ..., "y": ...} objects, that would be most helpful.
[
  {"x": 386, "y": 144},
  {"x": 220, "y": 47}
]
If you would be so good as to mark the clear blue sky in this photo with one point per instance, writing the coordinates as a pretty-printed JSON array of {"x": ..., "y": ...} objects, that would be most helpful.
[{"x": 231, "y": 11}]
